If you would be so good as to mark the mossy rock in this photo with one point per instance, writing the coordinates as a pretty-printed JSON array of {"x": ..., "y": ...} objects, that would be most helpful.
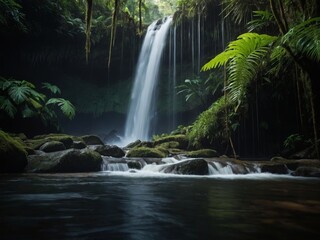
[
  {"x": 134, "y": 165},
  {"x": 110, "y": 150},
  {"x": 146, "y": 152},
  {"x": 92, "y": 140},
  {"x": 36, "y": 142},
  {"x": 52, "y": 146},
  {"x": 71, "y": 160},
  {"x": 181, "y": 139},
  {"x": 78, "y": 145},
  {"x": 133, "y": 144},
  {"x": 169, "y": 145},
  {"x": 205, "y": 153},
  {"x": 13, "y": 157}
]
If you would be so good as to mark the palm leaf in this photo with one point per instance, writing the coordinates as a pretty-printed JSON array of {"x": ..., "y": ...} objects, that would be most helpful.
[
  {"x": 65, "y": 106},
  {"x": 53, "y": 88}
]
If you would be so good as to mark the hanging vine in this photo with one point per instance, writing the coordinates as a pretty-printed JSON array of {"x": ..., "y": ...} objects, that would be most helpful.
[{"x": 88, "y": 27}]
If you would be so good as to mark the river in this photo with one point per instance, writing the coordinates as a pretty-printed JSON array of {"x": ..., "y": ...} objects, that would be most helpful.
[{"x": 158, "y": 206}]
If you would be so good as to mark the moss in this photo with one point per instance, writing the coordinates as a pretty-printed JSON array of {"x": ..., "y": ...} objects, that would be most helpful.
[
  {"x": 39, "y": 140},
  {"x": 169, "y": 145},
  {"x": 12, "y": 154},
  {"x": 52, "y": 146},
  {"x": 181, "y": 139},
  {"x": 146, "y": 152},
  {"x": 207, "y": 153},
  {"x": 92, "y": 140}
]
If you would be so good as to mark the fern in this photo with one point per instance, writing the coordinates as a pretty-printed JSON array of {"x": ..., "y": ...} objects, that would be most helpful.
[
  {"x": 304, "y": 39},
  {"x": 52, "y": 88},
  {"x": 262, "y": 19},
  {"x": 243, "y": 58},
  {"x": 65, "y": 106}
]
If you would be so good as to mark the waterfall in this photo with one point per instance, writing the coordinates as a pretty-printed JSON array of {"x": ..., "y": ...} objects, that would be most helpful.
[{"x": 142, "y": 107}]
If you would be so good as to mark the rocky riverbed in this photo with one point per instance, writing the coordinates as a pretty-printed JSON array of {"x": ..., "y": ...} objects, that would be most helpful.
[{"x": 61, "y": 153}]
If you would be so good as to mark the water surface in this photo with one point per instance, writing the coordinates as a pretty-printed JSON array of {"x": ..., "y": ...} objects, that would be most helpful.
[{"x": 133, "y": 206}]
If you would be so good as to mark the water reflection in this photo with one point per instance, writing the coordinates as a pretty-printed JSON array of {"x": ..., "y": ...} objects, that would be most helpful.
[{"x": 100, "y": 206}]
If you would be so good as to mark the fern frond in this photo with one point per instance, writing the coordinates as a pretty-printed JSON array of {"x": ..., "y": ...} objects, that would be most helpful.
[
  {"x": 243, "y": 58},
  {"x": 304, "y": 39}
]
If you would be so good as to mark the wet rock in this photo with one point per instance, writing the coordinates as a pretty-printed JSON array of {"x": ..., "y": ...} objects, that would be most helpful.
[
  {"x": 307, "y": 172},
  {"x": 78, "y": 145},
  {"x": 133, "y": 144},
  {"x": 181, "y": 139},
  {"x": 145, "y": 152},
  {"x": 274, "y": 168},
  {"x": 134, "y": 165},
  {"x": 12, "y": 155},
  {"x": 205, "y": 153},
  {"x": 92, "y": 140},
  {"x": 188, "y": 167},
  {"x": 52, "y": 146},
  {"x": 71, "y": 160},
  {"x": 110, "y": 150}
]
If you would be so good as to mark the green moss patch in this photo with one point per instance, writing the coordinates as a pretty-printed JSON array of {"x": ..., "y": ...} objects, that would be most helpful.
[
  {"x": 146, "y": 152},
  {"x": 13, "y": 157},
  {"x": 206, "y": 153},
  {"x": 181, "y": 139}
]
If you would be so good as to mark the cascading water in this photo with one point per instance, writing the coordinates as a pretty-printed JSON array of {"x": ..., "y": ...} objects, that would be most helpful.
[{"x": 142, "y": 105}]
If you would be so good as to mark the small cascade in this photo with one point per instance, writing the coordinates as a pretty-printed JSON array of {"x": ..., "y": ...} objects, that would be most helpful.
[
  {"x": 142, "y": 106},
  {"x": 116, "y": 167},
  {"x": 216, "y": 168},
  {"x": 227, "y": 168}
]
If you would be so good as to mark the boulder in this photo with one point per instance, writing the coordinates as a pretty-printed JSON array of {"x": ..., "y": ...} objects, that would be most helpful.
[
  {"x": 307, "y": 172},
  {"x": 133, "y": 144},
  {"x": 13, "y": 157},
  {"x": 188, "y": 167},
  {"x": 67, "y": 161},
  {"x": 181, "y": 139},
  {"x": 79, "y": 145},
  {"x": 145, "y": 152},
  {"x": 110, "y": 150},
  {"x": 134, "y": 165},
  {"x": 274, "y": 168},
  {"x": 205, "y": 153},
  {"x": 37, "y": 141},
  {"x": 92, "y": 140},
  {"x": 52, "y": 146}
]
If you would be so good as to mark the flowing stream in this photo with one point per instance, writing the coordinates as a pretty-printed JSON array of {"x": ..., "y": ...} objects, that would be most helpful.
[{"x": 142, "y": 106}]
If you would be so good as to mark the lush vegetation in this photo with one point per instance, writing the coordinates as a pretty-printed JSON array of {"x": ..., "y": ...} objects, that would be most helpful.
[
  {"x": 285, "y": 45},
  {"x": 249, "y": 69}
]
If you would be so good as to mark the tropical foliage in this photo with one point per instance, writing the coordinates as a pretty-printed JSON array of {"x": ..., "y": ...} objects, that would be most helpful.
[
  {"x": 256, "y": 56},
  {"x": 21, "y": 99}
]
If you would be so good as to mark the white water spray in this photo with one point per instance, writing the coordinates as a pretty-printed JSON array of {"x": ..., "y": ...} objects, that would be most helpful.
[{"x": 142, "y": 107}]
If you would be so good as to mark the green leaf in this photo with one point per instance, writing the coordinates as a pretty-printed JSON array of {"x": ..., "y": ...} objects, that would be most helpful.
[
  {"x": 19, "y": 93},
  {"x": 53, "y": 88},
  {"x": 65, "y": 106},
  {"x": 8, "y": 107}
]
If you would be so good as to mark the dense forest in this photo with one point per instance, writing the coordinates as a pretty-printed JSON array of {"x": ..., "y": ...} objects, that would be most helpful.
[{"x": 246, "y": 71}]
